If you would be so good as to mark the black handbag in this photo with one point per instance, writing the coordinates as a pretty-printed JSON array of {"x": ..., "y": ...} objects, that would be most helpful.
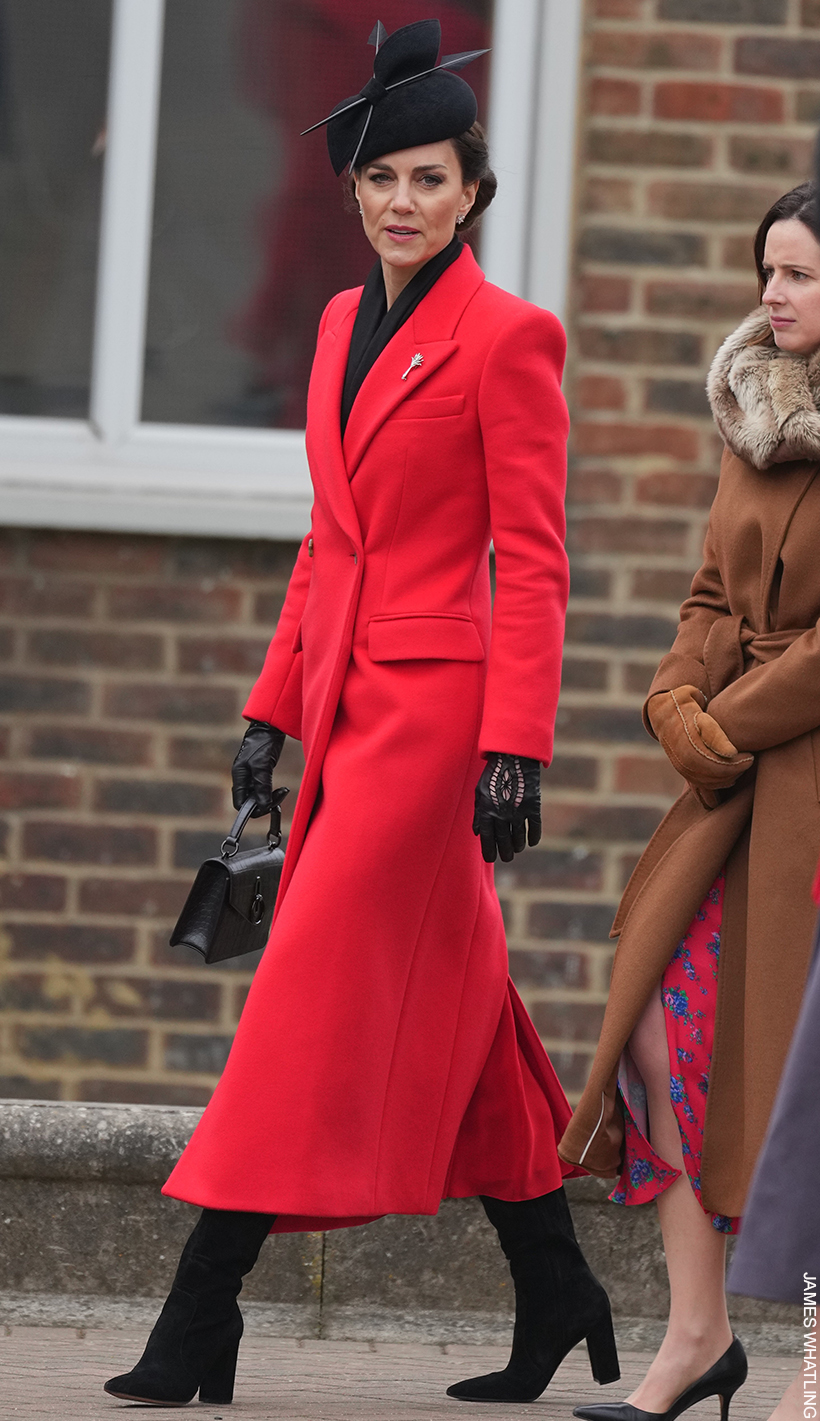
[{"x": 229, "y": 909}]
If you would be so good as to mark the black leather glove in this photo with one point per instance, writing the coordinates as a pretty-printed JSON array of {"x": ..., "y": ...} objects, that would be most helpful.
[
  {"x": 252, "y": 771},
  {"x": 508, "y": 806}
]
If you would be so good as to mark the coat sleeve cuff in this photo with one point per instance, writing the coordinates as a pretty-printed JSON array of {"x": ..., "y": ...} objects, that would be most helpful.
[{"x": 286, "y": 711}]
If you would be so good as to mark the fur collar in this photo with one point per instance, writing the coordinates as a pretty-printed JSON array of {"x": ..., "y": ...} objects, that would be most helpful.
[{"x": 765, "y": 401}]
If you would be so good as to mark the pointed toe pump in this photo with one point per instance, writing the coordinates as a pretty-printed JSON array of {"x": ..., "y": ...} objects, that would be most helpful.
[
  {"x": 558, "y": 1302},
  {"x": 195, "y": 1341},
  {"x": 723, "y": 1380}
]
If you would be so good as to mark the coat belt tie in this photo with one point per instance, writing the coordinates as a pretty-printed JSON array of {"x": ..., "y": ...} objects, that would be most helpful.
[{"x": 732, "y": 646}]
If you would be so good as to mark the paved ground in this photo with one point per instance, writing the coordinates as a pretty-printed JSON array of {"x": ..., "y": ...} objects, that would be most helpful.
[{"x": 46, "y": 1373}]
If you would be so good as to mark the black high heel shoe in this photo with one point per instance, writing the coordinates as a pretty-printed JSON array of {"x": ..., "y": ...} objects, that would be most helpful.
[
  {"x": 558, "y": 1302},
  {"x": 195, "y": 1341},
  {"x": 723, "y": 1380}
]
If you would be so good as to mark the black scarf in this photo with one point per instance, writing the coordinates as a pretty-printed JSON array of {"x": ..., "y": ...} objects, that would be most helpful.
[{"x": 375, "y": 326}]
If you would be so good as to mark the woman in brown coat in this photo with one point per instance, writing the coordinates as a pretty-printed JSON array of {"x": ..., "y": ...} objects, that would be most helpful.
[{"x": 715, "y": 926}]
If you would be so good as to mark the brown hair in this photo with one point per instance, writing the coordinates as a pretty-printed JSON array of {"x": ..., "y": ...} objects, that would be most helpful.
[
  {"x": 799, "y": 203},
  {"x": 473, "y": 154}
]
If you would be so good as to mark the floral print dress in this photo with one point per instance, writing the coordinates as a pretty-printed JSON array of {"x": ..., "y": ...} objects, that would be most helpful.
[{"x": 689, "y": 994}]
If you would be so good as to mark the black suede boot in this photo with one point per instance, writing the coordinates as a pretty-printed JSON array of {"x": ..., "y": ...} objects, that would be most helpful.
[
  {"x": 195, "y": 1340},
  {"x": 558, "y": 1301}
]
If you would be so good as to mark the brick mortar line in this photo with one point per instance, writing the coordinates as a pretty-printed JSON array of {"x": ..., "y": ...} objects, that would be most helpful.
[
  {"x": 639, "y": 320},
  {"x": 103, "y": 676},
  {"x": 582, "y": 699},
  {"x": 648, "y": 80},
  {"x": 720, "y": 28},
  {"x": 597, "y": 606},
  {"x": 157, "y": 577},
  {"x": 571, "y": 897},
  {"x": 600, "y": 951},
  {"x": 100, "y": 1020},
  {"x": 625, "y": 799},
  {"x": 664, "y": 370},
  {"x": 174, "y": 632},
  {"x": 715, "y": 175},
  {"x": 114, "y": 819},
  {"x": 649, "y": 223},
  {"x": 597, "y": 960},
  {"x": 720, "y": 131},
  {"x": 645, "y": 120},
  {"x": 72, "y": 1073},
  {"x": 641, "y": 76},
  {"x": 657, "y": 222},
  {"x": 97, "y": 773},
  {"x": 143, "y": 973},
  {"x": 555, "y": 1046},
  {"x": 712, "y": 327},
  {"x": 132, "y": 872},
  {"x": 649, "y": 419},
  {"x": 721, "y": 163},
  {"x": 576, "y": 996},
  {"x": 641, "y": 607},
  {"x": 607, "y": 846}
]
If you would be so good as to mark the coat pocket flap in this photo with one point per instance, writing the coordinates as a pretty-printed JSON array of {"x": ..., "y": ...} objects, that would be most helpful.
[
  {"x": 435, "y": 408},
  {"x": 438, "y": 636}
]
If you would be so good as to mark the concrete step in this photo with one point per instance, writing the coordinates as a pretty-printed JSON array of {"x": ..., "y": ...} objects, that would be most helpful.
[{"x": 87, "y": 1240}]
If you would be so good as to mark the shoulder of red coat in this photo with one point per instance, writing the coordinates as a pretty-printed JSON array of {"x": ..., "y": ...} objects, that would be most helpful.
[
  {"x": 340, "y": 306},
  {"x": 512, "y": 317},
  {"x": 515, "y": 310}
]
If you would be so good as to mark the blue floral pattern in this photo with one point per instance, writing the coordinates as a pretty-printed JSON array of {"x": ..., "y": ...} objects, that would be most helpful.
[{"x": 689, "y": 995}]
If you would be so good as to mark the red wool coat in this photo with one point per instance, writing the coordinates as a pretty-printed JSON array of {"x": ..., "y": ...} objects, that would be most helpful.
[{"x": 384, "y": 1060}]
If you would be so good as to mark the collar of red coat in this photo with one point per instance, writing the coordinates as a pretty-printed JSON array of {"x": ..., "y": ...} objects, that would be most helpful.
[
  {"x": 435, "y": 318},
  {"x": 431, "y": 332}
]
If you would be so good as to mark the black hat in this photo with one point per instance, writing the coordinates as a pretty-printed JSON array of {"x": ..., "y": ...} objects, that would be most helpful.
[{"x": 410, "y": 100}]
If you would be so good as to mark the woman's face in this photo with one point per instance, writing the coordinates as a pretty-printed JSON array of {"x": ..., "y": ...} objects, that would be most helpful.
[
  {"x": 791, "y": 262},
  {"x": 410, "y": 201}
]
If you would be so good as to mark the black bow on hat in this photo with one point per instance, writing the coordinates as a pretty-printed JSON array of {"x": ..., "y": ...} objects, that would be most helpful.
[{"x": 410, "y": 100}]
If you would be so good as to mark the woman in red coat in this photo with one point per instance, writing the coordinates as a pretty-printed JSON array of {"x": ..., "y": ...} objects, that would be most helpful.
[{"x": 384, "y": 1060}]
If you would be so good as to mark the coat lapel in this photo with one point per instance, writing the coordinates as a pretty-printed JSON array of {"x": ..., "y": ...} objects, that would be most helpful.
[
  {"x": 429, "y": 334},
  {"x": 775, "y": 532},
  {"x": 324, "y": 436}
]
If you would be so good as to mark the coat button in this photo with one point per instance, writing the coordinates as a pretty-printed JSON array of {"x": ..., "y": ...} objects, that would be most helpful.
[{"x": 310, "y": 547}]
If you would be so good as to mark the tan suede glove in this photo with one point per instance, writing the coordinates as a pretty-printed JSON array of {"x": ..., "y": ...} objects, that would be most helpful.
[{"x": 695, "y": 743}]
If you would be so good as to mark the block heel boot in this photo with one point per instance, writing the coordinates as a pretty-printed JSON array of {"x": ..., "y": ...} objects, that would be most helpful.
[
  {"x": 558, "y": 1302},
  {"x": 194, "y": 1343}
]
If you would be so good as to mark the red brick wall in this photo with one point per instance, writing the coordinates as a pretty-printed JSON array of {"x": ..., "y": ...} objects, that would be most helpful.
[
  {"x": 124, "y": 661},
  {"x": 124, "y": 664}
]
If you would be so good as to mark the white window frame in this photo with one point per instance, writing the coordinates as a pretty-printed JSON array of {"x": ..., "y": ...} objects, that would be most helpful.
[{"x": 116, "y": 472}]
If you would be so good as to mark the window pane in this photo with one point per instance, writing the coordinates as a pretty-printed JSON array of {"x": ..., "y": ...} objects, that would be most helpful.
[
  {"x": 250, "y": 235},
  {"x": 53, "y": 89}
]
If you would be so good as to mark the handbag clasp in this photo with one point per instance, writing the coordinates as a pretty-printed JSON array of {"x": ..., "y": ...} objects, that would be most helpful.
[{"x": 257, "y": 908}]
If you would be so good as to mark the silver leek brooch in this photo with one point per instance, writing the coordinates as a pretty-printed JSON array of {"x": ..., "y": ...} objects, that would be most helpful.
[{"x": 418, "y": 359}]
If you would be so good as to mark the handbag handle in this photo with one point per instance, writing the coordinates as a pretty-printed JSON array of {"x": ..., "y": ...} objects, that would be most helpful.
[{"x": 230, "y": 843}]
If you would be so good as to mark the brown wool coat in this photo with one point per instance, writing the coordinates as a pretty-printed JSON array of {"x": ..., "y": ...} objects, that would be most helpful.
[{"x": 749, "y": 639}]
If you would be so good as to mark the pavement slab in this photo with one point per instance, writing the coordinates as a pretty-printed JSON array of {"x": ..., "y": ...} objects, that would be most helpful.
[{"x": 48, "y": 1373}]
